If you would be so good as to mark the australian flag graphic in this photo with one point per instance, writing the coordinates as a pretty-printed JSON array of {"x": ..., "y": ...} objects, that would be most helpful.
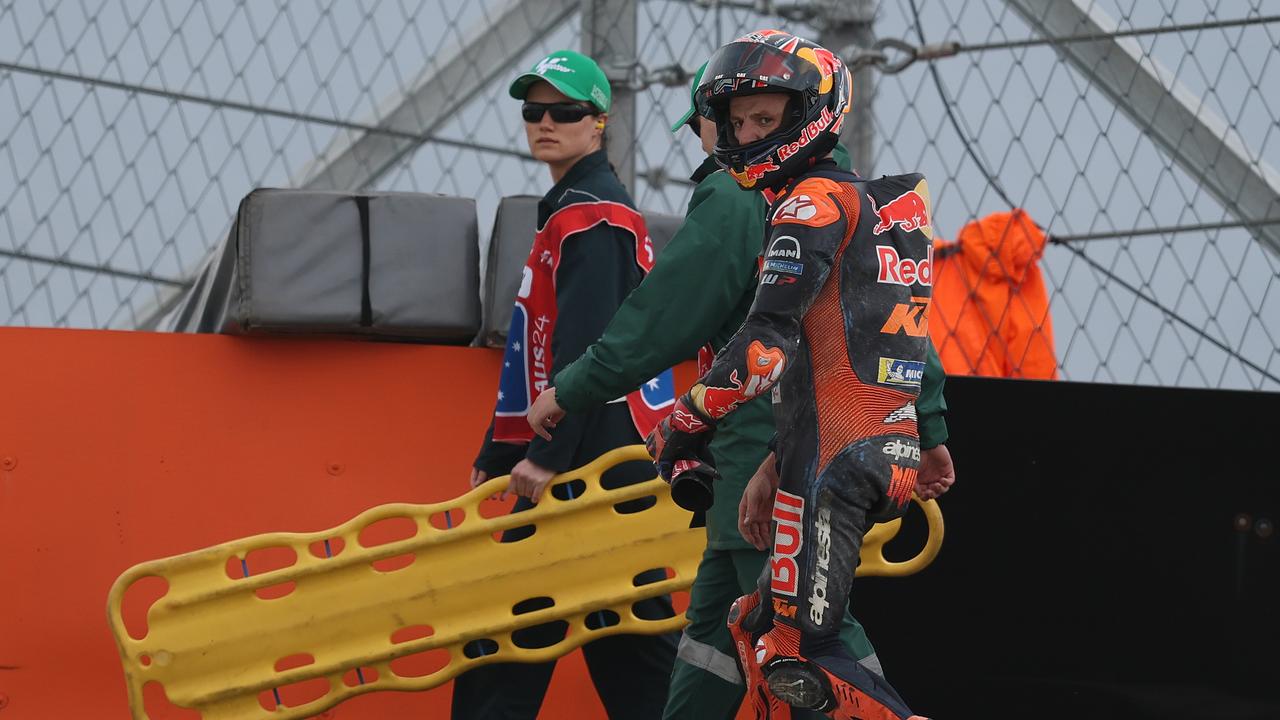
[
  {"x": 513, "y": 383},
  {"x": 660, "y": 392}
]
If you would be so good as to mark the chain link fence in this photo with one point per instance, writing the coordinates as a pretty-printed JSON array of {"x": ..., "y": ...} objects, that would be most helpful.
[{"x": 1139, "y": 135}]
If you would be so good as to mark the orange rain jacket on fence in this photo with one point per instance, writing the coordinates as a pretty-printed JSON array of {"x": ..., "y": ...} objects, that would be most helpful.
[{"x": 990, "y": 312}]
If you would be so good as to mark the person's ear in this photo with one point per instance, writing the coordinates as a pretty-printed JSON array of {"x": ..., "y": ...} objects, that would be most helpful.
[{"x": 601, "y": 120}]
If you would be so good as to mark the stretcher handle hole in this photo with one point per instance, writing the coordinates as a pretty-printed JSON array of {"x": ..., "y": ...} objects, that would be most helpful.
[
  {"x": 532, "y": 604},
  {"x": 420, "y": 664},
  {"x": 327, "y": 548},
  {"x": 480, "y": 648},
  {"x": 447, "y": 519},
  {"x": 297, "y": 660},
  {"x": 602, "y": 619},
  {"x": 277, "y": 591},
  {"x": 294, "y": 694},
  {"x": 640, "y": 504},
  {"x": 260, "y": 561},
  {"x": 653, "y": 575},
  {"x": 394, "y": 563},
  {"x": 515, "y": 534},
  {"x": 136, "y": 603},
  {"x": 155, "y": 703},
  {"x": 569, "y": 490},
  {"x": 540, "y": 636},
  {"x": 387, "y": 531},
  {"x": 410, "y": 633},
  {"x": 359, "y": 676}
]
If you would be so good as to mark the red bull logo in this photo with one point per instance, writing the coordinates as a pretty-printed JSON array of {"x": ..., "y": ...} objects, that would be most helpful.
[
  {"x": 908, "y": 211},
  {"x": 811, "y": 131},
  {"x": 784, "y": 570},
  {"x": 752, "y": 174}
]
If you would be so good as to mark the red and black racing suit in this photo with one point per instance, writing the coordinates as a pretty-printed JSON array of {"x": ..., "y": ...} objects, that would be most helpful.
[{"x": 838, "y": 333}]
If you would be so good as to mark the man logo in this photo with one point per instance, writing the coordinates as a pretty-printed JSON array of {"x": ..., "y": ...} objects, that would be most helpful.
[{"x": 785, "y": 247}]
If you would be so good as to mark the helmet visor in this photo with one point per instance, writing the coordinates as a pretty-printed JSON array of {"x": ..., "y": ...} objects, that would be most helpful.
[{"x": 742, "y": 68}]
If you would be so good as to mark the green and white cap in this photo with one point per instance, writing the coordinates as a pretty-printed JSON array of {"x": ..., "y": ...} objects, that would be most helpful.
[
  {"x": 693, "y": 100},
  {"x": 572, "y": 73}
]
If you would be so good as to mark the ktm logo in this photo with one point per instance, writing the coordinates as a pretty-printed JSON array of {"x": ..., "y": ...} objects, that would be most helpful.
[
  {"x": 912, "y": 318},
  {"x": 784, "y": 608}
]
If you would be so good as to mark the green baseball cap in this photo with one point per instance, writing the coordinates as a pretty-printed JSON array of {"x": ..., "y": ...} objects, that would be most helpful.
[
  {"x": 693, "y": 101},
  {"x": 572, "y": 73}
]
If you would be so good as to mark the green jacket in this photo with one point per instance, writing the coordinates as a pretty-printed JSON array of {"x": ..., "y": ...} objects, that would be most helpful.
[{"x": 698, "y": 293}]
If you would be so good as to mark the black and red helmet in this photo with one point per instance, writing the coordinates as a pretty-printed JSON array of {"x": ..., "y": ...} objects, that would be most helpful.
[{"x": 772, "y": 61}]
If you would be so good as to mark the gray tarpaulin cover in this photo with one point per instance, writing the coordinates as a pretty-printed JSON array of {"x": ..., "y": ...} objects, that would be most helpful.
[
  {"x": 402, "y": 265},
  {"x": 509, "y": 247}
]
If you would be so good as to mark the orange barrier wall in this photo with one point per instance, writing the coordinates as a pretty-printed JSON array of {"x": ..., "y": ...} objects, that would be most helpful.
[{"x": 119, "y": 447}]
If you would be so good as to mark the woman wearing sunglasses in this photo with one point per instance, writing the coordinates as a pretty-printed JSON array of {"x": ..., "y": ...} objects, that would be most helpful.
[{"x": 590, "y": 250}]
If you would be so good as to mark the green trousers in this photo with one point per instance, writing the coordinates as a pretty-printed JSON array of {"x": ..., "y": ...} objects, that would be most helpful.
[{"x": 706, "y": 683}]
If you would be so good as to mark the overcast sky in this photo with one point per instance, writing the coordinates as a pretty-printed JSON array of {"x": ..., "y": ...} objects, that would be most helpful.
[{"x": 148, "y": 185}]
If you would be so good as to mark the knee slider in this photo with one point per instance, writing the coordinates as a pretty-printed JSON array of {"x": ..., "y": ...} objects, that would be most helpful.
[{"x": 799, "y": 683}]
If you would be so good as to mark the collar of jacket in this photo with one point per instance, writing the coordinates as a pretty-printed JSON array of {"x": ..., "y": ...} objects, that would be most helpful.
[
  {"x": 705, "y": 170},
  {"x": 587, "y": 166}
]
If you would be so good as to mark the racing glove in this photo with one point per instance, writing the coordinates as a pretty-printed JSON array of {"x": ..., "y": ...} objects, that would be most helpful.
[{"x": 679, "y": 447}]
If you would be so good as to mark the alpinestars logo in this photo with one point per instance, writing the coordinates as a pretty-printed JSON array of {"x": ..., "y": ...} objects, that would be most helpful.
[
  {"x": 552, "y": 63},
  {"x": 902, "y": 414},
  {"x": 818, "y": 596},
  {"x": 898, "y": 450},
  {"x": 800, "y": 207}
]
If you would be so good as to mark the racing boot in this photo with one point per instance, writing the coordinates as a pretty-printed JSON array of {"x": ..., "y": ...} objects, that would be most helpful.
[
  {"x": 838, "y": 687},
  {"x": 747, "y": 621}
]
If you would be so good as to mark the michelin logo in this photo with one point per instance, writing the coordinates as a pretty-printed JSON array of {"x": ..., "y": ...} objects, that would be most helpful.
[
  {"x": 785, "y": 247},
  {"x": 784, "y": 266},
  {"x": 901, "y": 373}
]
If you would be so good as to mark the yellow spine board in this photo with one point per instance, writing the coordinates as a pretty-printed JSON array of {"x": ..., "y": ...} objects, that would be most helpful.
[{"x": 214, "y": 644}]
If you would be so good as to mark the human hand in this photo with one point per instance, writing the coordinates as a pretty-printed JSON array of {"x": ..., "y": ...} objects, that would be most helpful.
[
  {"x": 529, "y": 479},
  {"x": 545, "y": 413},
  {"x": 755, "y": 510},
  {"x": 936, "y": 474},
  {"x": 480, "y": 477}
]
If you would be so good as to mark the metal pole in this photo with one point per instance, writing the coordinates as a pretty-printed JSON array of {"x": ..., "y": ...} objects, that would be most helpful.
[
  {"x": 843, "y": 23},
  {"x": 609, "y": 37}
]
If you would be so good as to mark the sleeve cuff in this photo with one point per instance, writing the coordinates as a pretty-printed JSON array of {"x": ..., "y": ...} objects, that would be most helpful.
[{"x": 933, "y": 431}]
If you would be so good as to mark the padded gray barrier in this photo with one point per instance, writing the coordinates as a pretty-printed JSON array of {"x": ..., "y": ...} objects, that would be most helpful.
[
  {"x": 509, "y": 246},
  {"x": 396, "y": 265}
]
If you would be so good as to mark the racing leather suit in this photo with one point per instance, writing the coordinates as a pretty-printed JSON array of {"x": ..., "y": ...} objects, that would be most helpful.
[{"x": 838, "y": 333}]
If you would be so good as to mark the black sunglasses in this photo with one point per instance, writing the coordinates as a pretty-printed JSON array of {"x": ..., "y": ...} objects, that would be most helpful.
[{"x": 561, "y": 112}]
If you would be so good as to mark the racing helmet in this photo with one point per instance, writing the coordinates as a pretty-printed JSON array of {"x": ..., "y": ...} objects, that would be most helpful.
[{"x": 772, "y": 61}]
